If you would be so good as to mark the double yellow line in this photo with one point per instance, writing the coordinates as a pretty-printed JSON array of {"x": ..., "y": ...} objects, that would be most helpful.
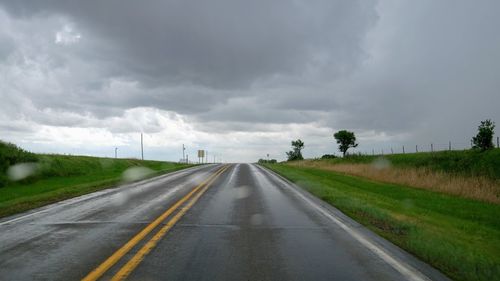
[{"x": 139, "y": 256}]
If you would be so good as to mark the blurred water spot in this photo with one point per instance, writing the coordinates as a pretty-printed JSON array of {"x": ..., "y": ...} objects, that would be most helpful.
[
  {"x": 381, "y": 163},
  {"x": 136, "y": 173},
  {"x": 256, "y": 219},
  {"x": 106, "y": 163},
  {"x": 242, "y": 192},
  {"x": 21, "y": 171},
  {"x": 120, "y": 198}
]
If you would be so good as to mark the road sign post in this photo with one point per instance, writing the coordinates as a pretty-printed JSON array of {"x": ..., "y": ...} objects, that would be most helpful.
[{"x": 201, "y": 155}]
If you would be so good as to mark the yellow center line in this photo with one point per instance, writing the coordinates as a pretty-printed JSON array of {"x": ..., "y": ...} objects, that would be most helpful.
[
  {"x": 116, "y": 256},
  {"x": 125, "y": 271}
]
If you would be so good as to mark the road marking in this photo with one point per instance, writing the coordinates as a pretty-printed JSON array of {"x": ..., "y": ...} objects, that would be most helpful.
[
  {"x": 125, "y": 271},
  {"x": 93, "y": 195},
  {"x": 116, "y": 256},
  {"x": 405, "y": 269}
]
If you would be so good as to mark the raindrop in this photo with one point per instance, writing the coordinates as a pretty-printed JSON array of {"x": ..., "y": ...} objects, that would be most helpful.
[
  {"x": 136, "y": 173},
  {"x": 21, "y": 171}
]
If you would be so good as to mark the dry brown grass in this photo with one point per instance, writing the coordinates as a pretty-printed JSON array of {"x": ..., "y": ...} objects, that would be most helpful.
[{"x": 478, "y": 188}]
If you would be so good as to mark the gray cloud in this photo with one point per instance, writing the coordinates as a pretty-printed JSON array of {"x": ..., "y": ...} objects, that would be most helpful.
[
  {"x": 219, "y": 43},
  {"x": 413, "y": 71},
  {"x": 188, "y": 57}
]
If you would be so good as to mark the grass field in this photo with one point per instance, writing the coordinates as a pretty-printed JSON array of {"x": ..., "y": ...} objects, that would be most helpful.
[
  {"x": 459, "y": 236},
  {"x": 470, "y": 174},
  {"x": 460, "y": 162},
  {"x": 59, "y": 177}
]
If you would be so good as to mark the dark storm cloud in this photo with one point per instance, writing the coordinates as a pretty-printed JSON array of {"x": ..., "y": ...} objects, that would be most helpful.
[
  {"x": 217, "y": 43},
  {"x": 433, "y": 72},
  {"x": 193, "y": 57}
]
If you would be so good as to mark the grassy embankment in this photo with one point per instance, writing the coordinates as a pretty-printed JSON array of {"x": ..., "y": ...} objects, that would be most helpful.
[
  {"x": 58, "y": 177},
  {"x": 458, "y": 235},
  {"x": 470, "y": 174}
]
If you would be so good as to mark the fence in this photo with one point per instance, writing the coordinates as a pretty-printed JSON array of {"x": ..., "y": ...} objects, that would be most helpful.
[{"x": 421, "y": 147}]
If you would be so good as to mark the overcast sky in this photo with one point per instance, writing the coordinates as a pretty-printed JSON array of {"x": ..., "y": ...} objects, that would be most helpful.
[{"x": 243, "y": 78}]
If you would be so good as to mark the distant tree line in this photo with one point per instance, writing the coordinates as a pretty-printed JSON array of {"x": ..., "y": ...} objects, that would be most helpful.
[
  {"x": 264, "y": 161},
  {"x": 329, "y": 156}
]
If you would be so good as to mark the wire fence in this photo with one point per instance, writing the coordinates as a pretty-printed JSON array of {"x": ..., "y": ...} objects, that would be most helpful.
[{"x": 419, "y": 147}]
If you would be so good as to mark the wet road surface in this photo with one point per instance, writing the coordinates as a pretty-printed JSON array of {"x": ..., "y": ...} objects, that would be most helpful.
[{"x": 215, "y": 222}]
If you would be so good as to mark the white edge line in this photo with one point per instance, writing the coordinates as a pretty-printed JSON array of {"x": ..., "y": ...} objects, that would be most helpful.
[{"x": 405, "y": 269}]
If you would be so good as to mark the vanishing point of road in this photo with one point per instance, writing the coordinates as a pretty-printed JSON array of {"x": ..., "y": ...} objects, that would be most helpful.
[{"x": 211, "y": 222}]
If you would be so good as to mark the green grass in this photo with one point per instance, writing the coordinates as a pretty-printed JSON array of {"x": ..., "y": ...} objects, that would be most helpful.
[
  {"x": 10, "y": 155},
  {"x": 462, "y": 162},
  {"x": 460, "y": 237},
  {"x": 60, "y": 177}
]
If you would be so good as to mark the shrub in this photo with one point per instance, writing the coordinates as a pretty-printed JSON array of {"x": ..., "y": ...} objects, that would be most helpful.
[
  {"x": 264, "y": 161},
  {"x": 328, "y": 156}
]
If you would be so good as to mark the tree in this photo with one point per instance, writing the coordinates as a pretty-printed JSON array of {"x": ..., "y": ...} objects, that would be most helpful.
[
  {"x": 346, "y": 140},
  {"x": 295, "y": 153},
  {"x": 484, "y": 138}
]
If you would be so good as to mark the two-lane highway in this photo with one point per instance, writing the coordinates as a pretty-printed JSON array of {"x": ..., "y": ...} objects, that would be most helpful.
[{"x": 214, "y": 222}]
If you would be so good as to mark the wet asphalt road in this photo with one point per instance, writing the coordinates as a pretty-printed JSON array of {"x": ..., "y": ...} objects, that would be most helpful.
[{"x": 249, "y": 225}]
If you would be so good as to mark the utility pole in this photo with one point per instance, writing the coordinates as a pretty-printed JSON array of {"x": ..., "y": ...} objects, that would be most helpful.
[
  {"x": 498, "y": 144},
  {"x": 432, "y": 147},
  {"x": 403, "y": 149},
  {"x": 142, "y": 149},
  {"x": 116, "y": 154},
  {"x": 449, "y": 145},
  {"x": 187, "y": 159},
  {"x": 183, "y": 150}
]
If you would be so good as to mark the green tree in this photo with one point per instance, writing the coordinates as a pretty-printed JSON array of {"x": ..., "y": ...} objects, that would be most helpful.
[
  {"x": 346, "y": 140},
  {"x": 484, "y": 138},
  {"x": 295, "y": 153}
]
